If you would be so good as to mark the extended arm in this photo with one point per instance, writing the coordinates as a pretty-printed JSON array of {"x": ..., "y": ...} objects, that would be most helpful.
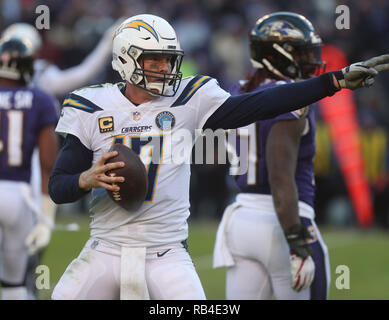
[
  {"x": 60, "y": 82},
  {"x": 239, "y": 111}
]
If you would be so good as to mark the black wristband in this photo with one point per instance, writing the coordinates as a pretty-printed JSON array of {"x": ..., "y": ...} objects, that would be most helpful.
[
  {"x": 339, "y": 74},
  {"x": 297, "y": 237},
  {"x": 328, "y": 83}
]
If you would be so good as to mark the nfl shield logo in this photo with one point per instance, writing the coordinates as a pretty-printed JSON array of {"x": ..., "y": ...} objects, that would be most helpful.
[
  {"x": 136, "y": 115},
  {"x": 94, "y": 244}
]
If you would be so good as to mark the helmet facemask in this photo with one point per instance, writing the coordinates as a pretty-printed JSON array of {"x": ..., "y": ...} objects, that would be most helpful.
[
  {"x": 156, "y": 83},
  {"x": 310, "y": 62}
]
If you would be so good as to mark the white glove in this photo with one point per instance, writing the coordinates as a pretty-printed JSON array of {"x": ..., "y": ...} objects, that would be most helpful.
[
  {"x": 361, "y": 74},
  {"x": 303, "y": 272},
  {"x": 301, "y": 264},
  {"x": 38, "y": 238},
  {"x": 40, "y": 235}
]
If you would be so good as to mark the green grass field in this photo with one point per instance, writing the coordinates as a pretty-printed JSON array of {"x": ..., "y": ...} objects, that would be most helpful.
[{"x": 365, "y": 253}]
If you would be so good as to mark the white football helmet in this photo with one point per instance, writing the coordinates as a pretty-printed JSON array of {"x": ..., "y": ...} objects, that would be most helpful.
[
  {"x": 25, "y": 32},
  {"x": 147, "y": 34}
]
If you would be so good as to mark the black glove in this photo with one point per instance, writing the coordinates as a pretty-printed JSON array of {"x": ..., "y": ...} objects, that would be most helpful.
[{"x": 297, "y": 237}]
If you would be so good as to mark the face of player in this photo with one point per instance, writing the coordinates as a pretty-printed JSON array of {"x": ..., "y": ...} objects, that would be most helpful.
[
  {"x": 160, "y": 63},
  {"x": 156, "y": 68}
]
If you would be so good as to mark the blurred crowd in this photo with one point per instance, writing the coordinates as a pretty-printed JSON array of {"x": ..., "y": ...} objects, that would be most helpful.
[{"x": 214, "y": 35}]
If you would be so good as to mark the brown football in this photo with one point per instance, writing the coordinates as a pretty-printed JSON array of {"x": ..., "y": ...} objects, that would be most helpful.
[{"x": 133, "y": 190}]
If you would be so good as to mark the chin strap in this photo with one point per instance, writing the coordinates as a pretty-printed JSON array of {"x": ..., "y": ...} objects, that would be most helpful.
[{"x": 161, "y": 87}]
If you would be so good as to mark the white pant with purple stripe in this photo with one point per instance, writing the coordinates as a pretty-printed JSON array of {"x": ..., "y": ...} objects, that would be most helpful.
[{"x": 251, "y": 243}]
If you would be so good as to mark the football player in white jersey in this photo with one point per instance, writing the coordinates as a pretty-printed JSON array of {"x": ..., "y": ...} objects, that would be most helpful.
[{"x": 143, "y": 254}]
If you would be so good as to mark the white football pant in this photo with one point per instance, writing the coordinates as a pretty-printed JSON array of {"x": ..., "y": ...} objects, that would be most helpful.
[
  {"x": 261, "y": 268},
  {"x": 96, "y": 274}
]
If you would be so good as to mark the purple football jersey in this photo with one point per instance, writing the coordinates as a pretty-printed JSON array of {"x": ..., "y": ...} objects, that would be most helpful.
[
  {"x": 23, "y": 113},
  {"x": 255, "y": 180}
]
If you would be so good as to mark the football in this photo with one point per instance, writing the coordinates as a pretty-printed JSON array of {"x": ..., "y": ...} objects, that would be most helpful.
[{"x": 133, "y": 190}]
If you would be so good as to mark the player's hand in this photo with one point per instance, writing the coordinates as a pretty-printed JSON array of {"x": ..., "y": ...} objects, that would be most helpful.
[
  {"x": 303, "y": 272},
  {"x": 301, "y": 263},
  {"x": 38, "y": 238},
  {"x": 95, "y": 177},
  {"x": 361, "y": 74},
  {"x": 40, "y": 235}
]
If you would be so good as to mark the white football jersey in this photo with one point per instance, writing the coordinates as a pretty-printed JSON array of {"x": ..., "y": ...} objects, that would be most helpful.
[{"x": 162, "y": 132}]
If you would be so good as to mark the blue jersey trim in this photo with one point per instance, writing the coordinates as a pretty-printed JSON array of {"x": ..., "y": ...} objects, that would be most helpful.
[
  {"x": 191, "y": 88},
  {"x": 80, "y": 103}
]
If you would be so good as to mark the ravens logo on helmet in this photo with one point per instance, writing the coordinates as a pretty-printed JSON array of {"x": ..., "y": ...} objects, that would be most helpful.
[{"x": 287, "y": 45}]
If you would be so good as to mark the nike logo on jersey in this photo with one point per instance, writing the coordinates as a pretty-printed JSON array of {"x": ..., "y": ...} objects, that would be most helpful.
[{"x": 159, "y": 254}]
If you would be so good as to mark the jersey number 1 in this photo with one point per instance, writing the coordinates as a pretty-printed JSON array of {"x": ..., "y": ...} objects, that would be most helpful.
[{"x": 14, "y": 137}]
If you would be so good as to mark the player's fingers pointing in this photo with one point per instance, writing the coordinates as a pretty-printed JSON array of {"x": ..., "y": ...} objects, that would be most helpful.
[
  {"x": 377, "y": 60},
  {"x": 382, "y": 67}
]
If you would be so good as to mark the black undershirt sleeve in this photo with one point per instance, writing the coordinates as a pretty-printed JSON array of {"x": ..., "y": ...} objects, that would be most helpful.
[
  {"x": 241, "y": 110},
  {"x": 73, "y": 159}
]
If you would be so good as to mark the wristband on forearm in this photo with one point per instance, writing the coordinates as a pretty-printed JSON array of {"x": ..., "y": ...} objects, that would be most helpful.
[{"x": 297, "y": 237}]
